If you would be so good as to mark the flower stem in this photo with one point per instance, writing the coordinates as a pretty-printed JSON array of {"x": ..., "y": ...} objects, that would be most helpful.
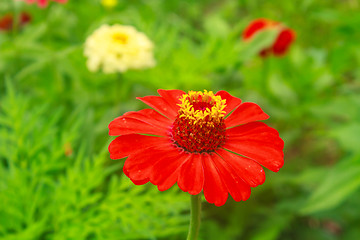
[{"x": 195, "y": 217}]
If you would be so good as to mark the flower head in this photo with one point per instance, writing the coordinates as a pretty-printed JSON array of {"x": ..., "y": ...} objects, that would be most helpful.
[
  {"x": 109, "y": 3},
  {"x": 44, "y": 3},
  {"x": 199, "y": 140},
  {"x": 7, "y": 21},
  {"x": 282, "y": 42},
  {"x": 118, "y": 48}
]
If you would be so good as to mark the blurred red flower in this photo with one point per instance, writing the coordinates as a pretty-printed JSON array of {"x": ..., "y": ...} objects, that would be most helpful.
[
  {"x": 283, "y": 41},
  {"x": 7, "y": 21},
  {"x": 202, "y": 141},
  {"x": 44, "y": 3}
]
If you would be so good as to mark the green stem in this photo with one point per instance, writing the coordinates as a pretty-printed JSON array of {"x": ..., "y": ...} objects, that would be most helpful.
[
  {"x": 195, "y": 217},
  {"x": 123, "y": 89}
]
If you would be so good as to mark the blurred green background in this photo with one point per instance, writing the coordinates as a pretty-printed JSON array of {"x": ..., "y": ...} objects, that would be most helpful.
[{"x": 57, "y": 180}]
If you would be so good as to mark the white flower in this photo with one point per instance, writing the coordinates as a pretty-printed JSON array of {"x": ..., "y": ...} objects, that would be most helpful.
[{"x": 118, "y": 48}]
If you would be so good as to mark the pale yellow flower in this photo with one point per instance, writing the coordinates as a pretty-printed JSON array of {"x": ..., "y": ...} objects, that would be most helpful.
[
  {"x": 118, "y": 48},
  {"x": 109, "y": 3}
]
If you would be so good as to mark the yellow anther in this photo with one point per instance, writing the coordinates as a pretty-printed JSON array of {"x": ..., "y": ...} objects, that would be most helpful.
[{"x": 212, "y": 106}]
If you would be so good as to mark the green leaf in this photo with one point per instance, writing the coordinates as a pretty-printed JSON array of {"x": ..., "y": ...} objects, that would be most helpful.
[
  {"x": 348, "y": 136},
  {"x": 258, "y": 42},
  {"x": 342, "y": 181},
  {"x": 271, "y": 229},
  {"x": 281, "y": 89},
  {"x": 216, "y": 26}
]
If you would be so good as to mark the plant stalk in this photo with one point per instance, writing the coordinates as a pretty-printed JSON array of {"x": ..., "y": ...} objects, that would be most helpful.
[{"x": 195, "y": 217}]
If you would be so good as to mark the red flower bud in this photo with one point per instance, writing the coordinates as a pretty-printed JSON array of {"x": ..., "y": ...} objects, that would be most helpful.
[{"x": 282, "y": 42}]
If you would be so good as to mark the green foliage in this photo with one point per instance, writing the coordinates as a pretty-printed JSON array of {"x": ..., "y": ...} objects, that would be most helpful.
[
  {"x": 49, "y": 192},
  {"x": 341, "y": 181},
  {"x": 56, "y": 178}
]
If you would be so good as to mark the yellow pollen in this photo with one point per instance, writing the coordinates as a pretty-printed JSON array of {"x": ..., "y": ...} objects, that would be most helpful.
[
  {"x": 202, "y": 106},
  {"x": 120, "y": 38}
]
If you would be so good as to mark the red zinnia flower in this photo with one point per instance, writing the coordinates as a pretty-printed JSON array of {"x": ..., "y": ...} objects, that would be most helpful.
[
  {"x": 43, "y": 3},
  {"x": 201, "y": 141},
  {"x": 7, "y": 22},
  {"x": 283, "y": 41},
  {"x": 24, "y": 18}
]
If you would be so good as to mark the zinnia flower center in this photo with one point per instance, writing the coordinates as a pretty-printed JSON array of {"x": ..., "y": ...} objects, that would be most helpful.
[
  {"x": 120, "y": 38},
  {"x": 199, "y": 125}
]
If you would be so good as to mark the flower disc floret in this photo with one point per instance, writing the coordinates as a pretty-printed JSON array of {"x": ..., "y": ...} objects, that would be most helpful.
[
  {"x": 200, "y": 105},
  {"x": 199, "y": 126}
]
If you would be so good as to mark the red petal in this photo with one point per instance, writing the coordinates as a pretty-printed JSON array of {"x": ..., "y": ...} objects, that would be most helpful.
[
  {"x": 214, "y": 188},
  {"x": 248, "y": 170},
  {"x": 140, "y": 164},
  {"x": 251, "y": 128},
  {"x": 283, "y": 41},
  {"x": 267, "y": 154},
  {"x": 42, "y": 3},
  {"x": 136, "y": 182},
  {"x": 254, "y": 27},
  {"x": 237, "y": 188},
  {"x": 140, "y": 182},
  {"x": 161, "y": 105},
  {"x": 256, "y": 132},
  {"x": 146, "y": 121},
  {"x": 166, "y": 171},
  {"x": 245, "y": 113},
  {"x": 172, "y": 97},
  {"x": 150, "y": 116},
  {"x": 191, "y": 178},
  {"x": 125, "y": 145},
  {"x": 231, "y": 101}
]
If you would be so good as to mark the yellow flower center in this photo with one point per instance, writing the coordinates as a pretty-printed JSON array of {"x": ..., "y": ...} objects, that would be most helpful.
[
  {"x": 197, "y": 106},
  {"x": 120, "y": 38},
  {"x": 199, "y": 126}
]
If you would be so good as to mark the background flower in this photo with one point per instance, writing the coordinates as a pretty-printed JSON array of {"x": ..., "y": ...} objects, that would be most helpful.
[
  {"x": 190, "y": 141},
  {"x": 43, "y": 3},
  {"x": 7, "y": 21},
  {"x": 118, "y": 48},
  {"x": 109, "y": 3},
  {"x": 282, "y": 42}
]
